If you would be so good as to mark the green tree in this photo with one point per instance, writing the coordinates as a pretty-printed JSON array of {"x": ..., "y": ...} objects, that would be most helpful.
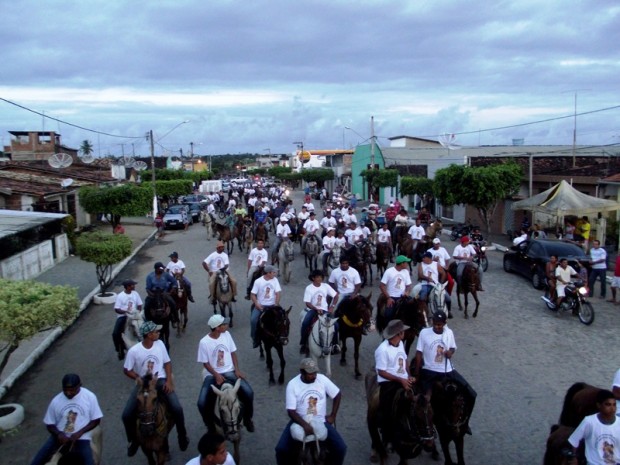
[
  {"x": 278, "y": 171},
  {"x": 31, "y": 307},
  {"x": 318, "y": 175},
  {"x": 481, "y": 187},
  {"x": 104, "y": 250},
  {"x": 114, "y": 202},
  {"x": 170, "y": 190},
  {"x": 379, "y": 178},
  {"x": 416, "y": 185},
  {"x": 86, "y": 148}
]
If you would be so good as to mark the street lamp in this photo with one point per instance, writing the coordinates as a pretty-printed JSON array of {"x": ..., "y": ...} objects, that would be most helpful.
[
  {"x": 191, "y": 146},
  {"x": 354, "y": 131}
]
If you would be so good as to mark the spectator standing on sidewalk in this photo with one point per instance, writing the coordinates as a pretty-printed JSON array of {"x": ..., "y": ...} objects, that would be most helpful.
[
  {"x": 598, "y": 260},
  {"x": 615, "y": 282}
]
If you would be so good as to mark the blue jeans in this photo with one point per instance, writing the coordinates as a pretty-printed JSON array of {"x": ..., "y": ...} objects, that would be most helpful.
[
  {"x": 307, "y": 324},
  {"x": 131, "y": 410},
  {"x": 602, "y": 275},
  {"x": 335, "y": 444},
  {"x": 426, "y": 290},
  {"x": 117, "y": 333},
  {"x": 254, "y": 317},
  {"x": 81, "y": 448},
  {"x": 206, "y": 398}
]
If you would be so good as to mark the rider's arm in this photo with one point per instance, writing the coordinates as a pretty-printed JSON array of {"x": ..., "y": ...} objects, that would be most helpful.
[
  {"x": 383, "y": 289},
  {"x": 418, "y": 364},
  {"x": 278, "y": 295},
  {"x": 206, "y": 267},
  {"x": 331, "y": 418}
]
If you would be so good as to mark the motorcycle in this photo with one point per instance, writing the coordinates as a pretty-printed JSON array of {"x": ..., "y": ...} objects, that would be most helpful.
[
  {"x": 460, "y": 230},
  {"x": 575, "y": 301},
  {"x": 481, "y": 255}
]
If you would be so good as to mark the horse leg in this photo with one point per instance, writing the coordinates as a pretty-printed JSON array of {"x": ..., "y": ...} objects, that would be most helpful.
[
  {"x": 458, "y": 445},
  {"x": 466, "y": 303},
  {"x": 444, "y": 439},
  {"x": 280, "y": 351},
  {"x": 230, "y": 313},
  {"x": 475, "y": 294},
  {"x": 356, "y": 355},
  {"x": 236, "y": 454},
  {"x": 272, "y": 379},
  {"x": 343, "y": 350}
]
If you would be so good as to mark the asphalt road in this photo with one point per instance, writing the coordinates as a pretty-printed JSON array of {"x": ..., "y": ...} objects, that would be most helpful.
[{"x": 519, "y": 357}]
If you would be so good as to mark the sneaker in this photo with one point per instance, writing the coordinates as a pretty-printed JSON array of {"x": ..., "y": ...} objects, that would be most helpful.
[
  {"x": 249, "y": 425},
  {"x": 191, "y": 298},
  {"x": 132, "y": 448},
  {"x": 183, "y": 443}
]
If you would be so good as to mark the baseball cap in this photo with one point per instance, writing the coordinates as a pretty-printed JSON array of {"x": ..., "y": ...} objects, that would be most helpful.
[
  {"x": 402, "y": 259},
  {"x": 309, "y": 365},
  {"x": 149, "y": 327},
  {"x": 330, "y": 229},
  {"x": 159, "y": 266},
  {"x": 464, "y": 239},
  {"x": 436, "y": 241},
  {"x": 440, "y": 316},
  {"x": 217, "y": 320},
  {"x": 71, "y": 380},
  {"x": 312, "y": 214},
  {"x": 427, "y": 255},
  {"x": 270, "y": 269},
  {"x": 129, "y": 282},
  {"x": 173, "y": 254}
]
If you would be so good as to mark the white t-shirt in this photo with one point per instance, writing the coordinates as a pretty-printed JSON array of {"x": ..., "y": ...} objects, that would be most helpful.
[
  {"x": 266, "y": 290},
  {"x": 433, "y": 345},
  {"x": 229, "y": 460},
  {"x": 391, "y": 359},
  {"x": 599, "y": 254},
  {"x": 353, "y": 235},
  {"x": 127, "y": 302},
  {"x": 328, "y": 243},
  {"x": 217, "y": 352},
  {"x": 177, "y": 267},
  {"x": 340, "y": 242},
  {"x": 309, "y": 206},
  {"x": 310, "y": 399},
  {"x": 517, "y": 240},
  {"x": 396, "y": 281},
  {"x": 416, "y": 232},
  {"x": 349, "y": 217},
  {"x": 143, "y": 360},
  {"x": 317, "y": 295},
  {"x": 71, "y": 415},
  {"x": 602, "y": 441},
  {"x": 384, "y": 235},
  {"x": 311, "y": 226},
  {"x": 258, "y": 257},
  {"x": 565, "y": 273},
  {"x": 431, "y": 270},
  {"x": 460, "y": 251},
  {"x": 216, "y": 261},
  {"x": 328, "y": 222},
  {"x": 345, "y": 281},
  {"x": 302, "y": 216},
  {"x": 283, "y": 230},
  {"x": 441, "y": 254}
]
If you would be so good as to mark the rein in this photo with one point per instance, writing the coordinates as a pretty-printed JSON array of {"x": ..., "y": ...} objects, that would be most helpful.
[{"x": 148, "y": 418}]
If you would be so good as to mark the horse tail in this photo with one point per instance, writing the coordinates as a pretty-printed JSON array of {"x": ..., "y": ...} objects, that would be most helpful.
[{"x": 566, "y": 417}]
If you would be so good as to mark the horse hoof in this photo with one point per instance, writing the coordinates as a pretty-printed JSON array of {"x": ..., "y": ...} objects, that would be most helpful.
[
  {"x": 230, "y": 325},
  {"x": 374, "y": 458},
  {"x": 343, "y": 363},
  {"x": 466, "y": 316},
  {"x": 435, "y": 455},
  {"x": 358, "y": 375},
  {"x": 272, "y": 382},
  {"x": 281, "y": 380},
  {"x": 475, "y": 314}
]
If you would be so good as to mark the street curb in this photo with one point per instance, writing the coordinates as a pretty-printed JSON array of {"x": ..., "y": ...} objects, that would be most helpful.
[{"x": 10, "y": 380}]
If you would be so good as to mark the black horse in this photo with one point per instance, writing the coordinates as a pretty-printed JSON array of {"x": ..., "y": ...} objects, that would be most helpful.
[
  {"x": 354, "y": 314},
  {"x": 408, "y": 311},
  {"x": 160, "y": 308},
  {"x": 272, "y": 332}
]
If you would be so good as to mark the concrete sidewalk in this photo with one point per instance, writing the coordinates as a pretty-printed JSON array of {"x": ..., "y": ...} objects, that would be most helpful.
[{"x": 80, "y": 274}]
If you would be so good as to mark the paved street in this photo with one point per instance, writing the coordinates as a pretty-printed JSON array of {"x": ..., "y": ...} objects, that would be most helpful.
[{"x": 520, "y": 358}]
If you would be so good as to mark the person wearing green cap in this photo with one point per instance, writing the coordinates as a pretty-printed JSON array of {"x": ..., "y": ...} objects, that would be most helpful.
[{"x": 395, "y": 284}]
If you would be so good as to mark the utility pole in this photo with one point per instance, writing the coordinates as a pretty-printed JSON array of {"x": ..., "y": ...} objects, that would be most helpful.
[
  {"x": 575, "y": 132},
  {"x": 150, "y": 137},
  {"x": 372, "y": 142}
]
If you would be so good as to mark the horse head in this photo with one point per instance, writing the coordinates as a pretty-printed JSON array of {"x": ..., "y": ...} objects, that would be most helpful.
[
  {"x": 453, "y": 401},
  {"x": 275, "y": 322},
  {"x": 423, "y": 414},
  {"x": 180, "y": 285},
  {"x": 325, "y": 324},
  {"x": 148, "y": 405},
  {"x": 223, "y": 281},
  {"x": 437, "y": 296},
  {"x": 287, "y": 248},
  {"x": 356, "y": 311},
  {"x": 228, "y": 409}
]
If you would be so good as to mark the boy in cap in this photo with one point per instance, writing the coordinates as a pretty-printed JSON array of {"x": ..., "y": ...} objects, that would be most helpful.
[
  {"x": 392, "y": 371},
  {"x": 217, "y": 261},
  {"x": 463, "y": 254},
  {"x": 282, "y": 230},
  {"x": 150, "y": 357},
  {"x": 127, "y": 302},
  {"x": 176, "y": 267},
  {"x": 212, "y": 450},
  {"x": 316, "y": 297},
  {"x": 306, "y": 402},
  {"x": 265, "y": 292},
  {"x": 160, "y": 281},
  {"x": 70, "y": 418},
  {"x": 218, "y": 354},
  {"x": 395, "y": 284}
]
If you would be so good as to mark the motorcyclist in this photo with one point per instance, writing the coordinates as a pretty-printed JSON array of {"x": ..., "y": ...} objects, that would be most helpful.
[{"x": 563, "y": 273}]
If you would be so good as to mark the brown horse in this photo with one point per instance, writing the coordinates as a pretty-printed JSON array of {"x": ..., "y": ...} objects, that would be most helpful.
[
  {"x": 261, "y": 234},
  {"x": 354, "y": 315},
  {"x": 180, "y": 299},
  {"x": 408, "y": 311},
  {"x": 383, "y": 258},
  {"x": 559, "y": 451},
  {"x": 248, "y": 237},
  {"x": 223, "y": 232},
  {"x": 154, "y": 421},
  {"x": 470, "y": 282},
  {"x": 434, "y": 229},
  {"x": 579, "y": 402}
]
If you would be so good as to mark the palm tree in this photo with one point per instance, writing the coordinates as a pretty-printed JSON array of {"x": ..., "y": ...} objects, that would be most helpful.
[{"x": 86, "y": 148}]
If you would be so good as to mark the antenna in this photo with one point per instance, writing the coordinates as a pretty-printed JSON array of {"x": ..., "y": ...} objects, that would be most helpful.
[
  {"x": 140, "y": 166},
  {"x": 88, "y": 159},
  {"x": 60, "y": 160},
  {"x": 66, "y": 182},
  {"x": 128, "y": 162},
  {"x": 448, "y": 141}
]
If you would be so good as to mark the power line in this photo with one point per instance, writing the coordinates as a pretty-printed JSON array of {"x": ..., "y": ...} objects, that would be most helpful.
[{"x": 67, "y": 123}]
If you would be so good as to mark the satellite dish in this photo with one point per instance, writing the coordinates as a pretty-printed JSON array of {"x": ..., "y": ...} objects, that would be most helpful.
[
  {"x": 66, "y": 182},
  {"x": 140, "y": 166},
  {"x": 60, "y": 160},
  {"x": 128, "y": 162},
  {"x": 448, "y": 141},
  {"x": 88, "y": 159}
]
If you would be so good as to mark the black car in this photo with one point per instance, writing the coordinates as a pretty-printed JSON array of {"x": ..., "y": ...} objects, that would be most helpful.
[
  {"x": 530, "y": 257},
  {"x": 195, "y": 210}
]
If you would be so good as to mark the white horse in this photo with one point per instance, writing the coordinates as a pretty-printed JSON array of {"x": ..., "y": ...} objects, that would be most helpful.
[
  {"x": 286, "y": 255},
  {"x": 311, "y": 252},
  {"x": 228, "y": 414},
  {"x": 207, "y": 221},
  {"x": 131, "y": 335},
  {"x": 436, "y": 300},
  {"x": 320, "y": 340},
  {"x": 96, "y": 445},
  {"x": 333, "y": 261}
]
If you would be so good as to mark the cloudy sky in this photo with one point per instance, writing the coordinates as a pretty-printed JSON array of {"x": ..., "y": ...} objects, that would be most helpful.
[{"x": 257, "y": 75}]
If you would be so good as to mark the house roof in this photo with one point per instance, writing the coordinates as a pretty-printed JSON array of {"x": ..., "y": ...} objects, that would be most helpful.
[
  {"x": 77, "y": 171},
  {"x": 25, "y": 133},
  {"x": 12, "y": 222}
]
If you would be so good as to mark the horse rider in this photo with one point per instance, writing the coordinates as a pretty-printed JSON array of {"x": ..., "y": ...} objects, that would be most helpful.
[
  {"x": 257, "y": 259},
  {"x": 311, "y": 227},
  {"x": 217, "y": 261},
  {"x": 303, "y": 215},
  {"x": 266, "y": 292},
  {"x": 212, "y": 450},
  {"x": 430, "y": 272},
  {"x": 349, "y": 216},
  {"x": 316, "y": 296},
  {"x": 395, "y": 284},
  {"x": 416, "y": 232},
  {"x": 433, "y": 361},
  {"x": 392, "y": 372},
  {"x": 260, "y": 216},
  {"x": 354, "y": 234},
  {"x": 306, "y": 405},
  {"x": 401, "y": 221},
  {"x": 176, "y": 267},
  {"x": 282, "y": 230},
  {"x": 425, "y": 217},
  {"x": 211, "y": 210},
  {"x": 151, "y": 357},
  {"x": 126, "y": 302},
  {"x": 329, "y": 241},
  {"x": 328, "y": 221},
  {"x": 218, "y": 354},
  {"x": 384, "y": 236},
  {"x": 70, "y": 418},
  {"x": 160, "y": 281},
  {"x": 463, "y": 254}
]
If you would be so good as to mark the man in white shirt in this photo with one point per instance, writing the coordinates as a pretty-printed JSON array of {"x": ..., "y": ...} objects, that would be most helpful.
[
  {"x": 464, "y": 254},
  {"x": 520, "y": 238},
  {"x": 384, "y": 236},
  {"x": 329, "y": 241},
  {"x": 416, "y": 232},
  {"x": 176, "y": 267},
  {"x": 311, "y": 228},
  {"x": 283, "y": 230},
  {"x": 354, "y": 234},
  {"x": 258, "y": 258},
  {"x": 395, "y": 284},
  {"x": 316, "y": 296},
  {"x": 345, "y": 280},
  {"x": 328, "y": 221},
  {"x": 349, "y": 217},
  {"x": 563, "y": 273},
  {"x": 70, "y": 418},
  {"x": 439, "y": 253},
  {"x": 266, "y": 292},
  {"x": 598, "y": 260},
  {"x": 212, "y": 450},
  {"x": 215, "y": 262},
  {"x": 303, "y": 215},
  {"x": 127, "y": 302},
  {"x": 218, "y": 354},
  {"x": 306, "y": 405}
]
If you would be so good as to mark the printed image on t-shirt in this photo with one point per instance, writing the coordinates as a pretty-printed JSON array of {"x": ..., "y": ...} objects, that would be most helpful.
[
  {"x": 70, "y": 422},
  {"x": 439, "y": 354},
  {"x": 401, "y": 365},
  {"x": 267, "y": 292},
  {"x": 319, "y": 300},
  {"x": 312, "y": 401},
  {"x": 399, "y": 283},
  {"x": 344, "y": 282},
  {"x": 150, "y": 364},
  {"x": 608, "y": 452},
  {"x": 220, "y": 358},
  {"x": 218, "y": 263}
]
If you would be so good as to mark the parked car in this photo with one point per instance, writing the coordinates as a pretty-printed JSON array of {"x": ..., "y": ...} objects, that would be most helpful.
[
  {"x": 195, "y": 210},
  {"x": 194, "y": 198},
  {"x": 530, "y": 257},
  {"x": 173, "y": 218}
]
